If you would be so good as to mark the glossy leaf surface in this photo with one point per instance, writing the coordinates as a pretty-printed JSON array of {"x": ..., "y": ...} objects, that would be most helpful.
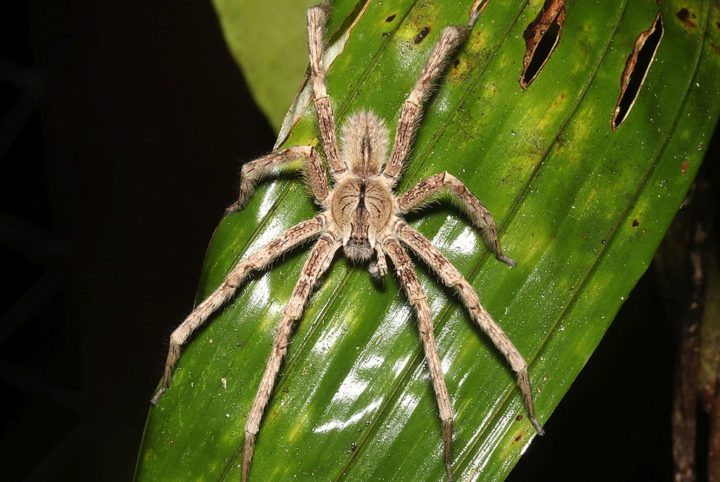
[{"x": 581, "y": 209}]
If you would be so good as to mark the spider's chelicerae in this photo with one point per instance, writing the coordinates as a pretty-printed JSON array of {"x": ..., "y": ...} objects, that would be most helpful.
[{"x": 361, "y": 214}]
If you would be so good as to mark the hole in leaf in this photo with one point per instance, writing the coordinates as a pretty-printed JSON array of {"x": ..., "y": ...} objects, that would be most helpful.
[
  {"x": 636, "y": 69},
  {"x": 542, "y": 52},
  {"x": 541, "y": 39}
]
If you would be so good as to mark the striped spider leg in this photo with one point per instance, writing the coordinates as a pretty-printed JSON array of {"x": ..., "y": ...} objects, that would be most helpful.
[{"x": 361, "y": 214}]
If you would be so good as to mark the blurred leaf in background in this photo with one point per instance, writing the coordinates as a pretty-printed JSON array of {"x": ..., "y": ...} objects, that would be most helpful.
[{"x": 269, "y": 45}]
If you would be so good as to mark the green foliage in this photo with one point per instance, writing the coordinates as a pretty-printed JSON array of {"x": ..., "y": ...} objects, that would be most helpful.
[
  {"x": 581, "y": 208},
  {"x": 269, "y": 45}
]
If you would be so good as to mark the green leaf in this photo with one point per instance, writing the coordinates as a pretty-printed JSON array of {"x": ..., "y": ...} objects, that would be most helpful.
[
  {"x": 581, "y": 208},
  {"x": 269, "y": 46}
]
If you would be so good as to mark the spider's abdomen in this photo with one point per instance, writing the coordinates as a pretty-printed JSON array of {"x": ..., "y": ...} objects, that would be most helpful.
[
  {"x": 361, "y": 208},
  {"x": 364, "y": 143}
]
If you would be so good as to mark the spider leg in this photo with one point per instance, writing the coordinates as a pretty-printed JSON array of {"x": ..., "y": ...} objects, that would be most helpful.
[
  {"x": 415, "y": 293},
  {"x": 258, "y": 260},
  {"x": 378, "y": 266},
  {"x": 318, "y": 261},
  {"x": 316, "y": 19},
  {"x": 481, "y": 217},
  {"x": 454, "y": 279},
  {"x": 412, "y": 109},
  {"x": 254, "y": 170}
]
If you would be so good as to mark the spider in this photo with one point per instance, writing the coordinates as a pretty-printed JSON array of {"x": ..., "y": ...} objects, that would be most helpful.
[{"x": 361, "y": 214}]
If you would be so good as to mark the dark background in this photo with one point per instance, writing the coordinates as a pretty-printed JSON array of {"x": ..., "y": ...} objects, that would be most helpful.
[{"x": 122, "y": 127}]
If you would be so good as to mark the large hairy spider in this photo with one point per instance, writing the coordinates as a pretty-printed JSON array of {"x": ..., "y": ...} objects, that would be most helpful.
[{"x": 361, "y": 214}]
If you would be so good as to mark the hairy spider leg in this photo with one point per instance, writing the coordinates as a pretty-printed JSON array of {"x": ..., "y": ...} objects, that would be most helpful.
[
  {"x": 258, "y": 260},
  {"x": 378, "y": 266},
  {"x": 452, "y": 278},
  {"x": 317, "y": 263},
  {"x": 422, "y": 192},
  {"x": 253, "y": 171},
  {"x": 412, "y": 109},
  {"x": 316, "y": 19},
  {"x": 391, "y": 234},
  {"x": 417, "y": 297}
]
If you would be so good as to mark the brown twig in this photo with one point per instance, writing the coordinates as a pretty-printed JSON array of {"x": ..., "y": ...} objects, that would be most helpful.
[
  {"x": 684, "y": 416},
  {"x": 714, "y": 441},
  {"x": 687, "y": 278},
  {"x": 709, "y": 374}
]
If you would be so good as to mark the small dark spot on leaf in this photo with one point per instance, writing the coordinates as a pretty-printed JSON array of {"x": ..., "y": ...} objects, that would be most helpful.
[
  {"x": 457, "y": 63},
  {"x": 603, "y": 241},
  {"x": 687, "y": 17},
  {"x": 518, "y": 417},
  {"x": 353, "y": 447},
  {"x": 517, "y": 437},
  {"x": 421, "y": 36},
  {"x": 385, "y": 34},
  {"x": 561, "y": 141},
  {"x": 635, "y": 223},
  {"x": 390, "y": 18},
  {"x": 684, "y": 167}
]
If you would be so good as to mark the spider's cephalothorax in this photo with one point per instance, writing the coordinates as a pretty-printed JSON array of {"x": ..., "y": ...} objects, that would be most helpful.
[{"x": 363, "y": 215}]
